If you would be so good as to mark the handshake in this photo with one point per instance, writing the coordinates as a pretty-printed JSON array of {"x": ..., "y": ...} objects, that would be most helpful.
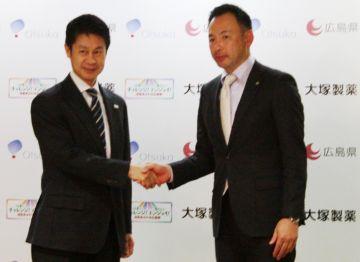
[{"x": 150, "y": 175}]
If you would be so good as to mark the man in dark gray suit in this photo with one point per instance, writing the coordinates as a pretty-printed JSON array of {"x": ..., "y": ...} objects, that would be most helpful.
[
  {"x": 84, "y": 211},
  {"x": 250, "y": 133}
]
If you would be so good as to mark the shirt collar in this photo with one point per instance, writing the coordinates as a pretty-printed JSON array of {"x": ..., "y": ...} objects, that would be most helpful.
[
  {"x": 242, "y": 72},
  {"x": 81, "y": 84}
]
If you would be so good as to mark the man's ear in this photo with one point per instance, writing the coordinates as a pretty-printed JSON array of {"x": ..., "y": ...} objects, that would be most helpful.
[
  {"x": 249, "y": 38},
  {"x": 67, "y": 50}
]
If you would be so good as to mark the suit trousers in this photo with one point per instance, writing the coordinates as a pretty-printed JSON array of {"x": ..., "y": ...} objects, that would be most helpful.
[
  {"x": 110, "y": 252},
  {"x": 234, "y": 246}
]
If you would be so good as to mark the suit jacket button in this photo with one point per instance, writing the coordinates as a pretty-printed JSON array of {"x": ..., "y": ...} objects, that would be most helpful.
[{"x": 227, "y": 156}]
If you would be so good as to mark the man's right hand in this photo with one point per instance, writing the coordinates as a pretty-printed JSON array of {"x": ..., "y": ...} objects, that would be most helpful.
[
  {"x": 163, "y": 172},
  {"x": 146, "y": 179}
]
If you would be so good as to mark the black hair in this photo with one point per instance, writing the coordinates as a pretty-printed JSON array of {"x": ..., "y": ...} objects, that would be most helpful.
[
  {"x": 86, "y": 24},
  {"x": 241, "y": 16}
]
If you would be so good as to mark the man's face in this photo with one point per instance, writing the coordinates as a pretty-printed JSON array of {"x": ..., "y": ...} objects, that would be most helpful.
[
  {"x": 229, "y": 42},
  {"x": 87, "y": 56}
]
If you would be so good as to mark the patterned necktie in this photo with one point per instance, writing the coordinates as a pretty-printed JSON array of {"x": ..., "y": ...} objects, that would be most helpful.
[
  {"x": 225, "y": 111},
  {"x": 97, "y": 115}
]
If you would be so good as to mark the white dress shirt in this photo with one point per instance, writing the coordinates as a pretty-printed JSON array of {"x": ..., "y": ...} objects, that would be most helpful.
[
  {"x": 82, "y": 86},
  {"x": 237, "y": 88}
]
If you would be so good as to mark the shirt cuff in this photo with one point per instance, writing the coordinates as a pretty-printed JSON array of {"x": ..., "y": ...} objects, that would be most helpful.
[{"x": 171, "y": 173}]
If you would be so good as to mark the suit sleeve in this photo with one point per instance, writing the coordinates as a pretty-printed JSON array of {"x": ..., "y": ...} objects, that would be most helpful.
[
  {"x": 201, "y": 163},
  {"x": 289, "y": 121},
  {"x": 127, "y": 192},
  {"x": 59, "y": 149}
]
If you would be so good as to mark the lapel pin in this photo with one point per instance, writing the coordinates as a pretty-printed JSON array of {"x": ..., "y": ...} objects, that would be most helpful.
[
  {"x": 257, "y": 83},
  {"x": 116, "y": 106}
]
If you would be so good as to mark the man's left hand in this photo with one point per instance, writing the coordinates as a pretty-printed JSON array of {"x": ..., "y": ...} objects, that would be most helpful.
[
  {"x": 285, "y": 236},
  {"x": 129, "y": 246}
]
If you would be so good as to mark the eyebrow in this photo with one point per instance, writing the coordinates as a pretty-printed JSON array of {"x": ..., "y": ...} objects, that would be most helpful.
[
  {"x": 86, "y": 47},
  {"x": 225, "y": 31},
  {"x": 222, "y": 32}
]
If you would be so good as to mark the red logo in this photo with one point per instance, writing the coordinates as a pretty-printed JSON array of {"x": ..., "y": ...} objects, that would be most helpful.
[
  {"x": 312, "y": 29},
  {"x": 187, "y": 150},
  {"x": 311, "y": 154},
  {"x": 191, "y": 30}
]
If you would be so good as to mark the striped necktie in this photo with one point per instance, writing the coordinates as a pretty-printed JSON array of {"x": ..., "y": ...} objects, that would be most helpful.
[{"x": 97, "y": 114}]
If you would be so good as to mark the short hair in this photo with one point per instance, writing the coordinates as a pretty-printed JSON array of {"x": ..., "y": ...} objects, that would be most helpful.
[
  {"x": 241, "y": 16},
  {"x": 86, "y": 24}
]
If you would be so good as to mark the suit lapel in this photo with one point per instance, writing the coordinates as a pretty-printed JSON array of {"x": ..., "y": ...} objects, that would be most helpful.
[
  {"x": 217, "y": 114},
  {"x": 76, "y": 101},
  {"x": 110, "y": 111},
  {"x": 252, "y": 86}
]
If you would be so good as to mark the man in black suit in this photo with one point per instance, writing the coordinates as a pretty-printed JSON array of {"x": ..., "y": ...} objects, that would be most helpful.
[
  {"x": 250, "y": 133},
  {"x": 84, "y": 211}
]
